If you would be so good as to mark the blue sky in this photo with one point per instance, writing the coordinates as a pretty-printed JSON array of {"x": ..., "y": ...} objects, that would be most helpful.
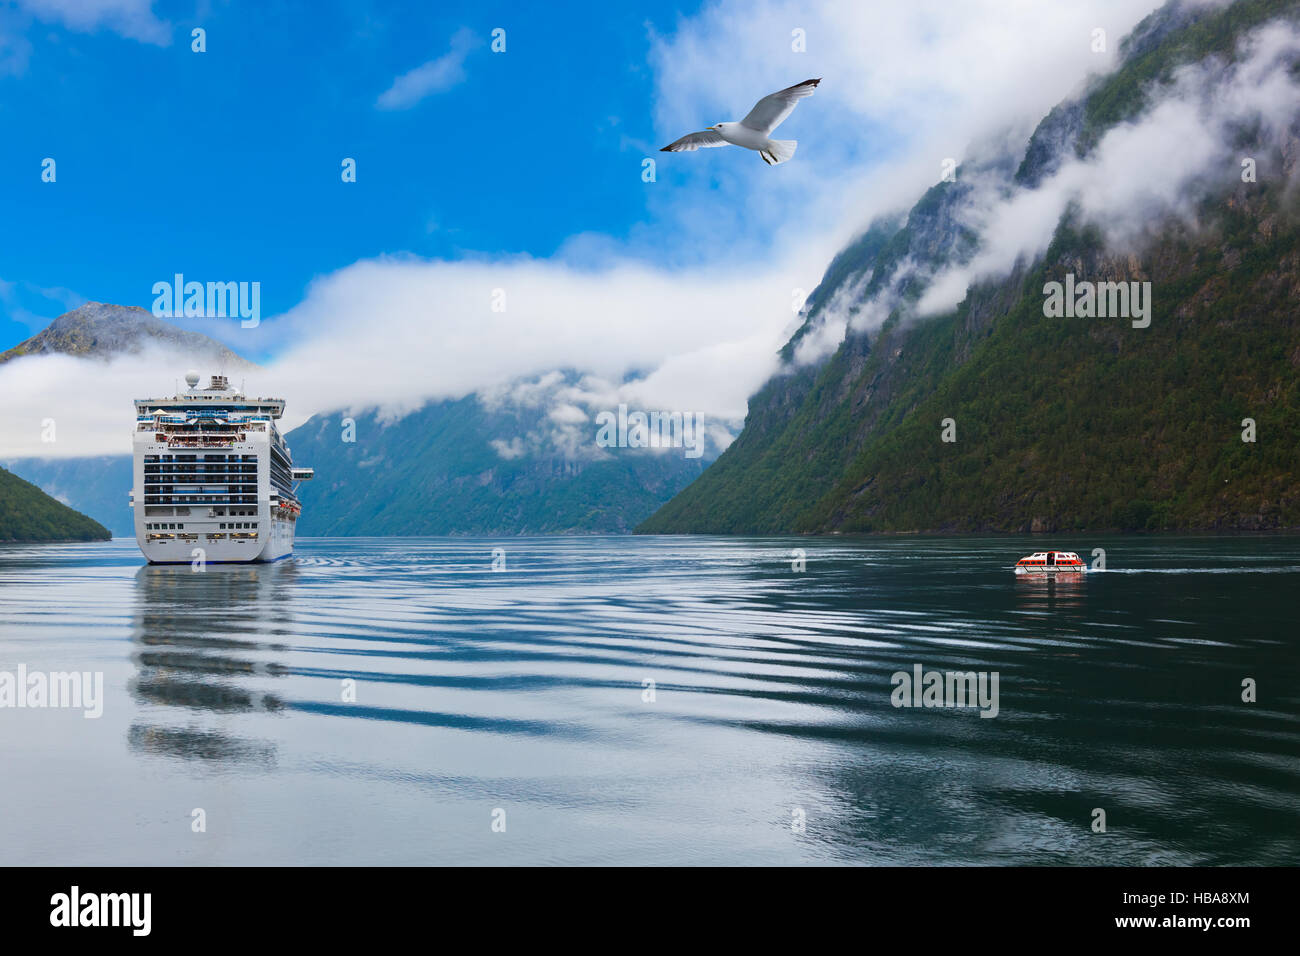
[
  {"x": 226, "y": 164},
  {"x": 480, "y": 173}
]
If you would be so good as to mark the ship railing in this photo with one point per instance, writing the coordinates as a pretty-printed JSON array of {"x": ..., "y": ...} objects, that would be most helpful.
[{"x": 202, "y": 439}]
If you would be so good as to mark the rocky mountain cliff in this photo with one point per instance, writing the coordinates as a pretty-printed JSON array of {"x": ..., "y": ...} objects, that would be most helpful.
[
  {"x": 993, "y": 416},
  {"x": 102, "y": 330}
]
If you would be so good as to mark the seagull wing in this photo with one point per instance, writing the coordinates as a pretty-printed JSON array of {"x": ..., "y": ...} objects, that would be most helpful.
[
  {"x": 700, "y": 140},
  {"x": 768, "y": 112}
]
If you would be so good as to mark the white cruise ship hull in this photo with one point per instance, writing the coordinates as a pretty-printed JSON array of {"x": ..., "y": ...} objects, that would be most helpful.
[
  {"x": 221, "y": 550},
  {"x": 213, "y": 479}
]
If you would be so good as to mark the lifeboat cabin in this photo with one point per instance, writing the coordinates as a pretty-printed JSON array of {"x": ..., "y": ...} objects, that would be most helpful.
[{"x": 1051, "y": 562}]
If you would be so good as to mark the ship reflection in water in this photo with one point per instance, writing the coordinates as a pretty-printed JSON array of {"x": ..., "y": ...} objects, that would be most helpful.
[{"x": 206, "y": 647}]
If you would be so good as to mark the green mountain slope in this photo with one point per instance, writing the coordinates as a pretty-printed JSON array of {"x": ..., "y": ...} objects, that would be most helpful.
[
  {"x": 436, "y": 472},
  {"x": 1060, "y": 423},
  {"x": 98, "y": 486},
  {"x": 29, "y": 514}
]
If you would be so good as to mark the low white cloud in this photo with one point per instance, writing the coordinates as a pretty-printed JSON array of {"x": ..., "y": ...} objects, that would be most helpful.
[
  {"x": 58, "y": 406},
  {"x": 436, "y": 76},
  {"x": 844, "y": 308},
  {"x": 384, "y": 331},
  {"x": 133, "y": 19},
  {"x": 509, "y": 450},
  {"x": 394, "y": 333},
  {"x": 15, "y": 49},
  {"x": 1142, "y": 172},
  {"x": 571, "y": 427}
]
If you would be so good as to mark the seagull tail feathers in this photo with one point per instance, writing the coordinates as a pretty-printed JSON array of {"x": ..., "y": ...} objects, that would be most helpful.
[{"x": 779, "y": 150}]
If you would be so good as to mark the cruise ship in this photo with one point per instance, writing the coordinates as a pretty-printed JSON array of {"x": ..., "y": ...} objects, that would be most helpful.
[{"x": 213, "y": 479}]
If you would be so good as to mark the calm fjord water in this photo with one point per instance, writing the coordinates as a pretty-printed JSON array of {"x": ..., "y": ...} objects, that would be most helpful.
[{"x": 523, "y": 690}]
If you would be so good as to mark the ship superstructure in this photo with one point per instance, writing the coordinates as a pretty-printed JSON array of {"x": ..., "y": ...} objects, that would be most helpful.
[{"x": 214, "y": 480}]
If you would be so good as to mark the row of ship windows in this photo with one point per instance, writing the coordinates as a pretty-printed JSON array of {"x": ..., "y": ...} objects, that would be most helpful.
[
  {"x": 207, "y": 488},
  {"x": 192, "y": 483},
  {"x": 225, "y": 526},
  {"x": 154, "y": 459},
  {"x": 204, "y": 468},
  {"x": 249, "y": 481},
  {"x": 194, "y": 499}
]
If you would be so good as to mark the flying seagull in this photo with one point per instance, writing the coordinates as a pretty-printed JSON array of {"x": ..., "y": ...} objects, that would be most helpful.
[{"x": 752, "y": 132}]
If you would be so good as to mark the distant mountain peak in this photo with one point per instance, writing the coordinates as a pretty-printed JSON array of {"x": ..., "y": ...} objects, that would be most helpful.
[{"x": 103, "y": 330}]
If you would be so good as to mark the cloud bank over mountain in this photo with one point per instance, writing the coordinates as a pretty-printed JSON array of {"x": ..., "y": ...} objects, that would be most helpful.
[
  {"x": 688, "y": 309},
  {"x": 1143, "y": 172}
]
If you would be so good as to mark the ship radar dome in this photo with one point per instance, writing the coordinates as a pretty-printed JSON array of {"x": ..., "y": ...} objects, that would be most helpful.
[{"x": 192, "y": 378}]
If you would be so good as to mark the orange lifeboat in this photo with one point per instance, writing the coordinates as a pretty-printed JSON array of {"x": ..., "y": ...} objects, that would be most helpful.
[{"x": 1051, "y": 562}]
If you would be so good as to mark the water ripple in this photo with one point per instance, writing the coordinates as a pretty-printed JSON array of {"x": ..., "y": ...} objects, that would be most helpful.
[{"x": 658, "y": 700}]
